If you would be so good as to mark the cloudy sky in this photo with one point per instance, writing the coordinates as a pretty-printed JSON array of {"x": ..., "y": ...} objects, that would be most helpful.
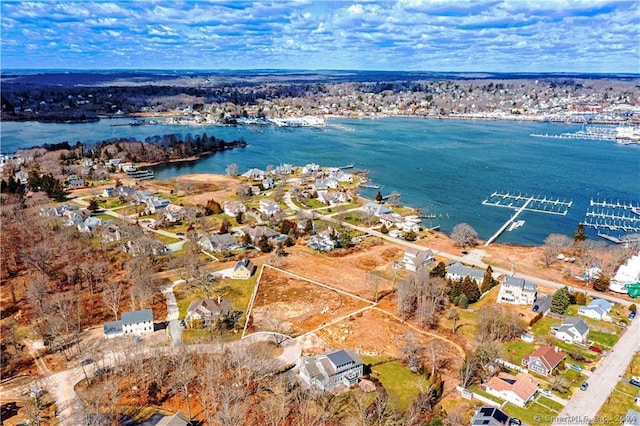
[{"x": 429, "y": 35}]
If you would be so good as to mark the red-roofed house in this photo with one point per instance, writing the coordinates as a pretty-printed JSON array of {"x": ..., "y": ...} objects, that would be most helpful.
[
  {"x": 543, "y": 360},
  {"x": 517, "y": 390}
]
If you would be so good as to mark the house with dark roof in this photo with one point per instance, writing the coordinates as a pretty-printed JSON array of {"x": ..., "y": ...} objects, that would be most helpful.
[
  {"x": 517, "y": 291},
  {"x": 257, "y": 232},
  {"x": 244, "y": 269},
  {"x": 218, "y": 242},
  {"x": 542, "y": 304},
  {"x": 205, "y": 312},
  {"x": 573, "y": 330},
  {"x": 136, "y": 323},
  {"x": 457, "y": 271},
  {"x": 517, "y": 390},
  {"x": 543, "y": 360},
  {"x": 490, "y": 416},
  {"x": 333, "y": 369}
]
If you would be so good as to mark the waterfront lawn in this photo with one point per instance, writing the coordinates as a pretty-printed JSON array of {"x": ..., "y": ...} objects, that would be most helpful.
[
  {"x": 603, "y": 339},
  {"x": 622, "y": 399},
  {"x": 401, "y": 383},
  {"x": 515, "y": 350}
]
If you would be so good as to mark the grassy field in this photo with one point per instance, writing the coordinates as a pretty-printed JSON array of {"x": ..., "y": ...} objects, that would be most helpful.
[
  {"x": 164, "y": 239},
  {"x": 532, "y": 414},
  {"x": 401, "y": 384},
  {"x": 602, "y": 339},
  {"x": 515, "y": 350},
  {"x": 619, "y": 402},
  {"x": 542, "y": 328},
  {"x": 476, "y": 389},
  {"x": 550, "y": 403}
]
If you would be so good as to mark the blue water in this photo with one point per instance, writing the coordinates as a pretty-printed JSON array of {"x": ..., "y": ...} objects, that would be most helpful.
[{"x": 446, "y": 167}]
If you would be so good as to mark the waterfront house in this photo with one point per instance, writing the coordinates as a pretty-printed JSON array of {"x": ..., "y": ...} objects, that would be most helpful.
[
  {"x": 205, "y": 312},
  {"x": 283, "y": 169},
  {"x": 310, "y": 168},
  {"x": 232, "y": 208},
  {"x": 376, "y": 209},
  {"x": 255, "y": 174},
  {"x": 141, "y": 197},
  {"x": 490, "y": 416},
  {"x": 517, "y": 390},
  {"x": 333, "y": 369},
  {"x": 218, "y": 242},
  {"x": 597, "y": 309},
  {"x": 268, "y": 207},
  {"x": 244, "y": 269},
  {"x": 125, "y": 191},
  {"x": 573, "y": 330},
  {"x": 457, "y": 271},
  {"x": 543, "y": 360},
  {"x": 415, "y": 260},
  {"x": 136, "y": 323},
  {"x": 332, "y": 197},
  {"x": 517, "y": 291}
]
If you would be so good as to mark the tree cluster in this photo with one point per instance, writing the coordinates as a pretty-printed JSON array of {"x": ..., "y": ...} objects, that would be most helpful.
[{"x": 422, "y": 297}]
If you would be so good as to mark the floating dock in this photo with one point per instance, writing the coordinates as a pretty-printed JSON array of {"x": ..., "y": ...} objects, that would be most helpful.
[
  {"x": 613, "y": 216},
  {"x": 521, "y": 203}
]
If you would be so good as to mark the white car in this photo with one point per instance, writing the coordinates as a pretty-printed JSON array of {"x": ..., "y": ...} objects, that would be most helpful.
[{"x": 545, "y": 392}]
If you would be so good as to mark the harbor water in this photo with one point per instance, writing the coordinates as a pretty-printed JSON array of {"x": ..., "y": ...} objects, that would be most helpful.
[{"x": 445, "y": 167}]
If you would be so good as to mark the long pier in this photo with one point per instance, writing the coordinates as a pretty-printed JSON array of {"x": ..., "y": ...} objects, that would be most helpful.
[
  {"x": 509, "y": 222},
  {"x": 520, "y": 203}
]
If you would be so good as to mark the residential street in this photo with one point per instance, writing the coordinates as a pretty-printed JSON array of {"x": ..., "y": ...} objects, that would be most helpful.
[{"x": 584, "y": 405}]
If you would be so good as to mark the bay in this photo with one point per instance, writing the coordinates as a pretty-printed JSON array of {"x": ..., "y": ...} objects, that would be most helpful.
[{"x": 445, "y": 167}]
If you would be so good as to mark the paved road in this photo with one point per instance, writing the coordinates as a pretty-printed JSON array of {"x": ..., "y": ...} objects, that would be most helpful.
[
  {"x": 172, "y": 312},
  {"x": 586, "y": 404}
]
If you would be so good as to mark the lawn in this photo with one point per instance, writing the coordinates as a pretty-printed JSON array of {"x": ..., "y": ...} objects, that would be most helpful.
[
  {"x": 515, "y": 350},
  {"x": 401, "y": 384},
  {"x": 574, "y": 379},
  {"x": 603, "y": 339},
  {"x": 476, "y": 389},
  {"x": 532, "y": 414},
  {"x": 164, "y": 239},
  {"x": 618, "y": 403},
  {"x": 550, "y": 403},
  {"x": 542, "y": 328}
]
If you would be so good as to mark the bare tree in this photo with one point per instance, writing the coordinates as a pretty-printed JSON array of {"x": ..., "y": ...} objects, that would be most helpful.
[
  {"x": 553, "y": 244},
  {"x": 464, "y": 235},
  {"x": 436, "y": 351},
  {"x": 232, "y": 170},
  {"x": 453, "y": 315},
  {"x": 112, "y": 296},
  {"x": 183, "y": 374},
  {"x": 413, "y": 353}
]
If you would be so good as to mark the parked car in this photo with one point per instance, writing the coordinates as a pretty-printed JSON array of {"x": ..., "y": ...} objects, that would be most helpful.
[
  {"x": 595, "y": 349},
  {"x": 575, "y": 367},
  {"x": 632, "y": 315},
  {"x": 545, "y": 392},
  {"x": 101, "y": 371},
  {"x": 513, "y": 421},
  {"x": 635, "y": 380},
  {"x": 87, "y": 361},
  {"x": 584, "y": 386}
]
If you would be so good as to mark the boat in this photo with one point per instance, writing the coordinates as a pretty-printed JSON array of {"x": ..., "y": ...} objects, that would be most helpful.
[{"x": 515, "y": 225}]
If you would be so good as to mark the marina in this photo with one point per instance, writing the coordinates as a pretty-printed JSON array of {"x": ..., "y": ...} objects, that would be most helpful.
[
  {"x": 616, "y": 216},
  {"x": 523, "y": 203}
]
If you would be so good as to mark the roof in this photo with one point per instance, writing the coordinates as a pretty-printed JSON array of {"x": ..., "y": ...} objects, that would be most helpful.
[
  {"x": 222, "y": 240},
  {"x": 489, "y": 416},
  {"x": 112, "y": 327},
  {"x": 520, "y": 283},
  {"x": 177, "y": 419},
  {"x": 603, "y": 304},
  {"x": 340, "y": 357},
  {"x": 549, "y": 355},
  {"x": 209, "y": 305},
  {"x": 244, "y": 263},
  {"x": 137, "y": 316},
  {"x": 578, "y": 323},
  {"x": 543, "y": 302},
  {"x": 461, "y": 270},
  {"x": 523, "y": 385}
]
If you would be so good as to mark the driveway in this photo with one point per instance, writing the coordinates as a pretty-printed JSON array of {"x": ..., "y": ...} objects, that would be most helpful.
[{"x": 172, "y": 312}]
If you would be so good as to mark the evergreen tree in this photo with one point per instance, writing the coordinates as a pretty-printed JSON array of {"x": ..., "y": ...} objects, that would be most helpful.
[
  {"x": 379, "y": 197},
  {"x": 463, "y": 302},
  {"x": 212, "y": 207},
  {"x": 581, "y": 298},
  {"x": 579, "y": 234},
  {"x": 264, "y": 245},
  {"x": 471, "y": 290},
  {"x": 308, "y": 227},
  {"x": 93, "y": 205},
  {"x": 560, "y": 300},
  {"x": 455, "y": 289},
  {"x": 225, "y": 226},
  {"x": 383, "y": 229},
  {"x": 440, "y": 270},
  {"x": 487, "y": 281},
  {"x": 240, "y": 217}
]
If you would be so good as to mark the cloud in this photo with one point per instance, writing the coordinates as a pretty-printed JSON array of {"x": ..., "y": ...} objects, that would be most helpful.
[{"x": 465, "y": 35}]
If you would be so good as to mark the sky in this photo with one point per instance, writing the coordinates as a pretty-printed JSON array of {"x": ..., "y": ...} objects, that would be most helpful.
[{"x": 596, "y": 36}]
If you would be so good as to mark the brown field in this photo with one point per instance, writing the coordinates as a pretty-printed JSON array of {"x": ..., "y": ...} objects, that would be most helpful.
[
  {"x": 349, "y": 273},
  {"x": 294, "y": 306}
]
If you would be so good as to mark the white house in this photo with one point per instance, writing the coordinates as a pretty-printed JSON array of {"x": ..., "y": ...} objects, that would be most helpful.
[
  {"x": 517, "y": 390},
  {"x": 458, "y": 271},
  {"x": 255, "y": 174},
  {"x": 136, "y": 323},
  {"x": 376, "y": 209},
  {"x": 174, "y": 213},
  {"x": 206, "y": 311},
  {"x": 327, "y": 371},
  {"x": 597, "y": 309},
  {"x": 268, "y": 207},
  {"x": 310, "y": 168},
  {"x": 232, "y": 208},
  {"x": 573, "y": 330},
  {"x": 415, "y": 260},
  {"x": 517, "y": 291}
]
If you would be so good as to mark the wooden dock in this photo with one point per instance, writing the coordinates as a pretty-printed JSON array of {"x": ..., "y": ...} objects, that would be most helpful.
[{"x": 509, "y": 222}]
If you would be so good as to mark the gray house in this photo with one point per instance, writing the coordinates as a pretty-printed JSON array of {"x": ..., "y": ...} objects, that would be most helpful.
[
  {"x": 573, "y": 330},
  {"x": 458, "y": 271},
  {"x": 218, "y": 242},
  {"x": 327, "y": 371},
  {"x": 543, "y": 360}
]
